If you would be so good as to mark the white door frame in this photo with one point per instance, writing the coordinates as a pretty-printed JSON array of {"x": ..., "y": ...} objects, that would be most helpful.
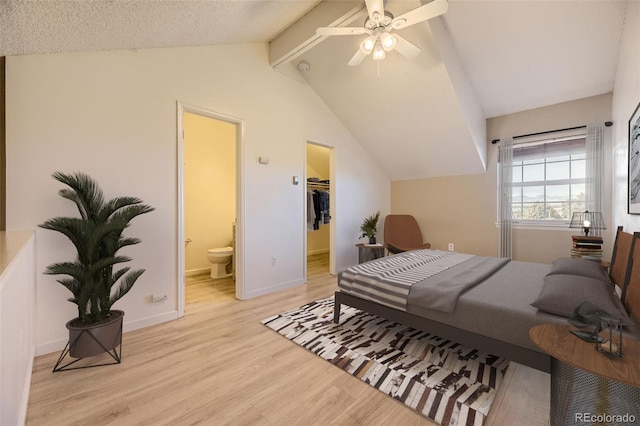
[
  {"x": 239, "y": 245},
  {"x": 332, "y": 197}
]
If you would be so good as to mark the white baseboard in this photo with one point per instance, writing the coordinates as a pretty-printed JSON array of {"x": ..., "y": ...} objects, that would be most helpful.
[
  {"x": 197, "y": 271},
  {"x": 53, "y": 346},
  {"x": 149, "y": 321},
  {"x": 277, "y": 287},
  {"x": 58, "y": 345}
]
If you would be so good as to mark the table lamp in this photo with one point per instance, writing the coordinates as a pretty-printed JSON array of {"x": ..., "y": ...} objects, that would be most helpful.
[{"x": 587, "y": 221}]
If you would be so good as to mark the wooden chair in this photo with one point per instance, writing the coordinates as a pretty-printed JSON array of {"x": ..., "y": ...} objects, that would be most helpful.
[{"x": 402, "y": 233}]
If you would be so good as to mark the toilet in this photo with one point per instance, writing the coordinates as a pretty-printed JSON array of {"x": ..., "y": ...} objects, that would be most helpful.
[{"x": 220, "y": 258}]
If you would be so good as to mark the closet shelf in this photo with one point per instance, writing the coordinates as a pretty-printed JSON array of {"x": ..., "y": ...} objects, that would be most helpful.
[{"x": 323, "y": 184}]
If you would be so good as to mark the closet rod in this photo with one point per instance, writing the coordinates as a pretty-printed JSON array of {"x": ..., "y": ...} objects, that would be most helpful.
[{"x": 606, "y": 123}]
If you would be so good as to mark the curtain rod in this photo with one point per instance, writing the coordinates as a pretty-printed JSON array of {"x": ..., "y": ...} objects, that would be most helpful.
[{"x": 606, "y": 123}]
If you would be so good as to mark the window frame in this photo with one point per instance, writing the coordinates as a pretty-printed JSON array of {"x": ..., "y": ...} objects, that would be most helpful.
[{"x": 551, "y": 224}]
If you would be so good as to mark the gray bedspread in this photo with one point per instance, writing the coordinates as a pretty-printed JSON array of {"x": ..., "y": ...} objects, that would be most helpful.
[
  {"x": 442, "y": 291},
  {"x": 499, "y": 307}
]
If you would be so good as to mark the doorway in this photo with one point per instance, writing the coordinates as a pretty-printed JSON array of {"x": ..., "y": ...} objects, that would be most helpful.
[
  {"x": 319, "y": 210},
  {"x": 210, "y": 207}
]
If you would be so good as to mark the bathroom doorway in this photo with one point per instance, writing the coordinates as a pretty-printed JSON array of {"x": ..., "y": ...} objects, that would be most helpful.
[
  {"x": 209, "y": 256},
  {"x": 319, "y": 209}
]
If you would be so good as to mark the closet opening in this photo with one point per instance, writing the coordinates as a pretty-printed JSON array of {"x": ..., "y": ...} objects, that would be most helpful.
[{"x": 320, "y": 212}]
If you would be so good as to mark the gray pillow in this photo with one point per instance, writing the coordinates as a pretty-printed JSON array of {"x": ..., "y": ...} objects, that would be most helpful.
[
  {"x": 581, "y": 267},
  {"x": 562, "y": 293}
]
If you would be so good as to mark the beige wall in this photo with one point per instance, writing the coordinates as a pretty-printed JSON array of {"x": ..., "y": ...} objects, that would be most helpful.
[
  {"x": 318, "y": 241},
  {"x": 463, "y": 209},
  {"x": 450, "y": 210},
  {"x": 209, "y": 187}
]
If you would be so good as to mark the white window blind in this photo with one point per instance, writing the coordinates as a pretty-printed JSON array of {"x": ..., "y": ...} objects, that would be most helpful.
[
  {"x": 549, "y": 149},
  {"x": 548, "y": 180}
]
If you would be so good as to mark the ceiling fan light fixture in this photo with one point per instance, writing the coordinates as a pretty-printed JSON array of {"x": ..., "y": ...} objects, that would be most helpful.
[
  {"x": 378, "y": 51},
  {"x": 379, "y": 23},
  {"x": 388, "y": 41},
  {"x": 368, "y": 44}
]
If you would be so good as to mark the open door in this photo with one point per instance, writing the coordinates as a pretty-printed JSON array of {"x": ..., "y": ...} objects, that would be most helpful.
[{"x": 235, "y": 232}]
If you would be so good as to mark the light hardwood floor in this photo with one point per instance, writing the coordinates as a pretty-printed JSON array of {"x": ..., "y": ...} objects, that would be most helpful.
[{"x": 219, "y": 365}]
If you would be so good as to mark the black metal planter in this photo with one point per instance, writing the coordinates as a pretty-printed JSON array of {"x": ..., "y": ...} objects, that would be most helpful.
[{"x": 90, "y": 340}]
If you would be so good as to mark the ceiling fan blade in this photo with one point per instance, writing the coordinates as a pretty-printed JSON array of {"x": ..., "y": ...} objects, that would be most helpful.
[
  {"x": 374, "y": 6},
  {"x": 422, "y": 13},
  {"x": 331, "y": 31},
  {"x": 405, "y": 47},
  {"x": 357, "y": 58}
]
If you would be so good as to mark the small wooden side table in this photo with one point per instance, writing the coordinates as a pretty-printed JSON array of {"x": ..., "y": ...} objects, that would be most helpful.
[
  {"x": 586, "y": 385},
  {"x": 367, "y": 252}
]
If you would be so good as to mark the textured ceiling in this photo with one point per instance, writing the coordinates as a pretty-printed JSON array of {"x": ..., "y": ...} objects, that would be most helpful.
[
  {"x": 419, "y": 118},
  {"x": 42, "y": 26}
]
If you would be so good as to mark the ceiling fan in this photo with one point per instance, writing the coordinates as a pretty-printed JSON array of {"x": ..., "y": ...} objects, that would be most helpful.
[{"x": 379, "y": 25}]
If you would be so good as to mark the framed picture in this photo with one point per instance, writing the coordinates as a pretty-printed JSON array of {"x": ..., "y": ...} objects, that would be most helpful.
[{"x": 634, "y": 162}]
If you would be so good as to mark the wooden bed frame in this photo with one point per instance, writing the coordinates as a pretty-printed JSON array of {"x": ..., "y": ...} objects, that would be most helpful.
[{"x": 625, "y": 252}]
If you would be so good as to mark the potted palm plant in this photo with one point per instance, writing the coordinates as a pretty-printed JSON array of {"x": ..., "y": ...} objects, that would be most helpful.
[
  {"x": 369, "y": 227},
  {"x": 92, "y": 277}
]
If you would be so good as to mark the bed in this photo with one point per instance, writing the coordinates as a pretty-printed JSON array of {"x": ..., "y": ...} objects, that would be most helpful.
[{"x": 494, "y": 311}]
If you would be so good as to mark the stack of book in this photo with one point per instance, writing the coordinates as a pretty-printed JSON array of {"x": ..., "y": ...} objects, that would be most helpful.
[{"x": 587, "y": 247}]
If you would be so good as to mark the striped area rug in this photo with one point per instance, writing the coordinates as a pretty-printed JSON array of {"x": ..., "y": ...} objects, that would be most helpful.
[{"x": 444, "y": 381}]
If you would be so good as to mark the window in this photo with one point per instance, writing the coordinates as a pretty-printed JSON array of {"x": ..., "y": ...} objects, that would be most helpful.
[{"x": 549, "y": 180}]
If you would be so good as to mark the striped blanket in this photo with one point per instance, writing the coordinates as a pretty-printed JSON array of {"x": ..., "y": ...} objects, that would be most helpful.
[{"x": 388, "y": 280}]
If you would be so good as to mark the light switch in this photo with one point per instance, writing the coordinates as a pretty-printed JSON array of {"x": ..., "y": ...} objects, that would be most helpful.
[{"x": 263, "y": 160}]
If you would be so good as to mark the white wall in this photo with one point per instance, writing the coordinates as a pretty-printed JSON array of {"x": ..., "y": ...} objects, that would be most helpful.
[
  {"x": 113, "y": 115},
  {"x": 626, "y": 95},
  {"x": 17, "y": 290}
]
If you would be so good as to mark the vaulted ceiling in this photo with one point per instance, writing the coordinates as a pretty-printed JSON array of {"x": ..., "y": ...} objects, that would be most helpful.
[{"x": 419, "y": 117}]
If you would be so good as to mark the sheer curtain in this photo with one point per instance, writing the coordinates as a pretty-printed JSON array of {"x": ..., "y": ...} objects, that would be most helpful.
[
  {"x": 594, "y": 150},
  {"x": 505, "y": 178}
]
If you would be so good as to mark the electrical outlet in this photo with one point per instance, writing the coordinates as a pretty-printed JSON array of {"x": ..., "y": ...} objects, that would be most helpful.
[
  {"x": 451, "y": 247},
  {"x": 273, "y": 261},
  {"x": 157, "y": 298}
]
